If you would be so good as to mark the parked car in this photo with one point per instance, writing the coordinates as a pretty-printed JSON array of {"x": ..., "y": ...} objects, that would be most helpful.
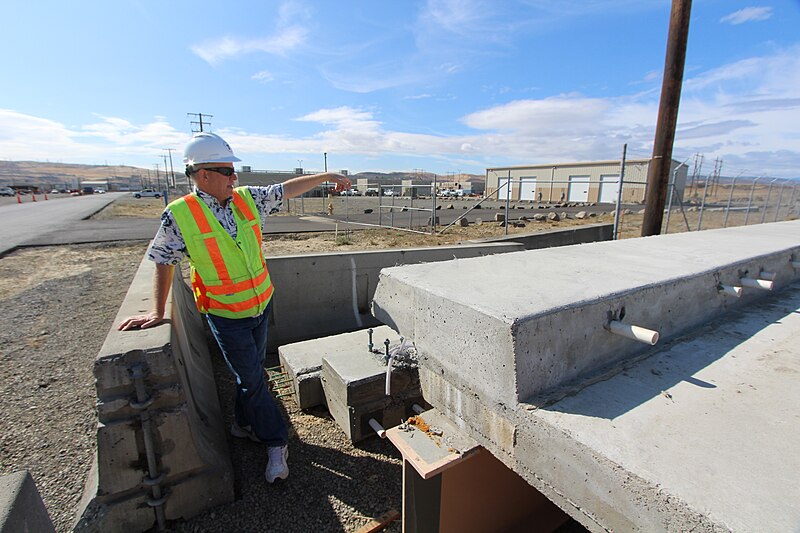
[
  {"x": 350, "y": 192},
  {"x": 7, "y": 191},
  {"x": 371, "y": 191},
  {"x": 145, "y": 193},
  {"x": 389, "y": 192},
  {"x": 99, "y": 191}
]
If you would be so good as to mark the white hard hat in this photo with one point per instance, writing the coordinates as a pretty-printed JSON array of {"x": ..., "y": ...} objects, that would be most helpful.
[{"x": 208, "y": 148}]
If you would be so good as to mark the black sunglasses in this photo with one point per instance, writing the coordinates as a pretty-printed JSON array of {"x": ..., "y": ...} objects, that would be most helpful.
[{"x": 225, "y": 171}]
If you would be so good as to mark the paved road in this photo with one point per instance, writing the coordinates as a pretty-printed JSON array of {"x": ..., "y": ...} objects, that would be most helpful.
[{"x": 20, "y": 223}]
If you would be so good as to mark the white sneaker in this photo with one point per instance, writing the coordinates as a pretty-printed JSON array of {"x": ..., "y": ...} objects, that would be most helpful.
[
  {"x": 245, "y": 432},
  {"x": 276, "y": 466}
]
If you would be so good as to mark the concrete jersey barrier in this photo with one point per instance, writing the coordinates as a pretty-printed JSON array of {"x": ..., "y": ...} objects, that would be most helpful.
[{"x": 162, "y": 453}]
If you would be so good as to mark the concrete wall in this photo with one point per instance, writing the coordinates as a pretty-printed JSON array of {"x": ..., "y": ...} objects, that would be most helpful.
[{"x": 181, "y": 408}]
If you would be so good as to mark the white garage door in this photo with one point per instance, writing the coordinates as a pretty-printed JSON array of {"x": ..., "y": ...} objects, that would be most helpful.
[
  {"x": 578, "y": 189},
  {"x": 609, "y": 186},
  {"x": 527, "y": 188}
]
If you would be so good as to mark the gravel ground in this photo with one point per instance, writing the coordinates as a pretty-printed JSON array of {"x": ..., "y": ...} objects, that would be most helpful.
[
  {"x": 59, "y": 304},
  {"x": 58, "y": 314}
]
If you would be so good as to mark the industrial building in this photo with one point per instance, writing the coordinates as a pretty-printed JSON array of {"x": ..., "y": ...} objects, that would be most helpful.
[{"x": 591, "y": 181}]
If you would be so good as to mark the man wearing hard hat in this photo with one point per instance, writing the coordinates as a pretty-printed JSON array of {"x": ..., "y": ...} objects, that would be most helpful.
[{"x": 218, "y": 228}]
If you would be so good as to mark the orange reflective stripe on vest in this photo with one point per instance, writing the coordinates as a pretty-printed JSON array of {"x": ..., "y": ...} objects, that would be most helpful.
[{"x": 242, "y": 306}]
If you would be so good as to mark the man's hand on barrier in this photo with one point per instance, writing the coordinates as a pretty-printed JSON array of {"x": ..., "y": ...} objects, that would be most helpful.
[{"x": 151, "y": 319}]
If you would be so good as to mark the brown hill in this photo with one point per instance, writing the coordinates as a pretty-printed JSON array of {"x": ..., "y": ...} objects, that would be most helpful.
[{"x": 48, "y": 176}]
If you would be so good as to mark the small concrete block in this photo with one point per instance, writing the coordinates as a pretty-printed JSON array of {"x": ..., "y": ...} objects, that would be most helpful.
[
  {"x": 302, "y": 361},
  {"x": 21, "y": 506},
  {"x": 355, "y": 391},
  {"x": 361, "y": 378}
]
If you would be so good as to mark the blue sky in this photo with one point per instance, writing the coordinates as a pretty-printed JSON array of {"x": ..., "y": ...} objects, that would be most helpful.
[{"x": 443, "y": 86}]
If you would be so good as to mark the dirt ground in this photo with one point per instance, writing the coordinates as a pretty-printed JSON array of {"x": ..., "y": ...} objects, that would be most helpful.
[{"x": 60, "y": 303}]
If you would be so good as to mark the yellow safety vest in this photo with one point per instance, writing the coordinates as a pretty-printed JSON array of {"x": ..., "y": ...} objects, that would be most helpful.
[{"x": 229, "y": 277}]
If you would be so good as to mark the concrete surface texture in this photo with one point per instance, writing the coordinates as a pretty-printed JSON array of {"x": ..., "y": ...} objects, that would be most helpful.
[
  {"x": 623, "y": 436},
  {"x": 161, "y": 447},
  {"x": 21, "y": 506}
]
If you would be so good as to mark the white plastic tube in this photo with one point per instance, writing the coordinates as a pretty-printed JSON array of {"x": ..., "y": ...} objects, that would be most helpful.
[
  {"x": 756, "y": 283},
  {"x": 767, "y": 275},
  {"x": 417, "y": 409},
  {"x": 734, "y": 291},
  {"x": 647, "y": 336},
  {"x": 374, "y": 424},
  {"x": 392, "y": 353}
]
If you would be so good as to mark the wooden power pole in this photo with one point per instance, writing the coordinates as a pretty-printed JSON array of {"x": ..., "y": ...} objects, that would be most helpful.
[{"x": 658, "y": 173}]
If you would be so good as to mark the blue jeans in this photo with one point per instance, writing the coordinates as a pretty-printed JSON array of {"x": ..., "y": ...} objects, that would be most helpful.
[{"x": 243, "y": 342}]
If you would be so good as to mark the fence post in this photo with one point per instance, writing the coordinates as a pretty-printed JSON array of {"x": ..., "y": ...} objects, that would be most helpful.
[
  {"x": 780, "y": 197},
  {"x": 703, "y": 204},
  {"x": 766, "y": 202},
  {"x": 750, "y": 200},
  {"x": 730, "y": 198}
]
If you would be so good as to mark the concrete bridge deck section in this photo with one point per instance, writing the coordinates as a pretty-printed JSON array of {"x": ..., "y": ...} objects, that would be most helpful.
[{"x": 696, "y": 432}]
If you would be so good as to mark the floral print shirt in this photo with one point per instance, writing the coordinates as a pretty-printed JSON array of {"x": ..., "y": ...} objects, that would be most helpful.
[{"x": 168, "y": 246}]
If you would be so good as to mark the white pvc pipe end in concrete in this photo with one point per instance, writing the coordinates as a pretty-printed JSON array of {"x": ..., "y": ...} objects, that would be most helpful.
[
  {"x": 730, "y": 290},
  {"x": 374, "y": 424},
  {"x": 647, "y": 336},
  {"x": 767, "y": 275},
  {"x": 757, "y": 283}
]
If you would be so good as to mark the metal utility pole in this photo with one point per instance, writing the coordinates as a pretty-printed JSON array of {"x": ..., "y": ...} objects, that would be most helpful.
[
  {"x": 157, "y": 169},
  {"x": 171, "y": 169},
  {"x": 326, "y": 160},
  {"x": 166, "y": 175},
  {"x": 658, "y": 173},
  {"x": 199, "y": 121}
]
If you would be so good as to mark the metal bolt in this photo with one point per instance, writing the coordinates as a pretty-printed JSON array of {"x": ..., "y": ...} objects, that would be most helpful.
[{"x": 370, "y": 339}]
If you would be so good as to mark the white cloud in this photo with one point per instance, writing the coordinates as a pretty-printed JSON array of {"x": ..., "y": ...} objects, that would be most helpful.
[
  {"x": 748, "y": 14},
  {"x": 111, "y": 139},
  {"x": 288, "y": 36},
  {"x": 263, "y": 76},
  {"x": 215, "y": 51}
]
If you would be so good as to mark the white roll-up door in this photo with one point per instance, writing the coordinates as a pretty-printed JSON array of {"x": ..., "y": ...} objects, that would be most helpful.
[
  {"x": 527, "y": 189},
  {"x": 578, "y": 189},
  {"x": 609, "y": 186}
]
